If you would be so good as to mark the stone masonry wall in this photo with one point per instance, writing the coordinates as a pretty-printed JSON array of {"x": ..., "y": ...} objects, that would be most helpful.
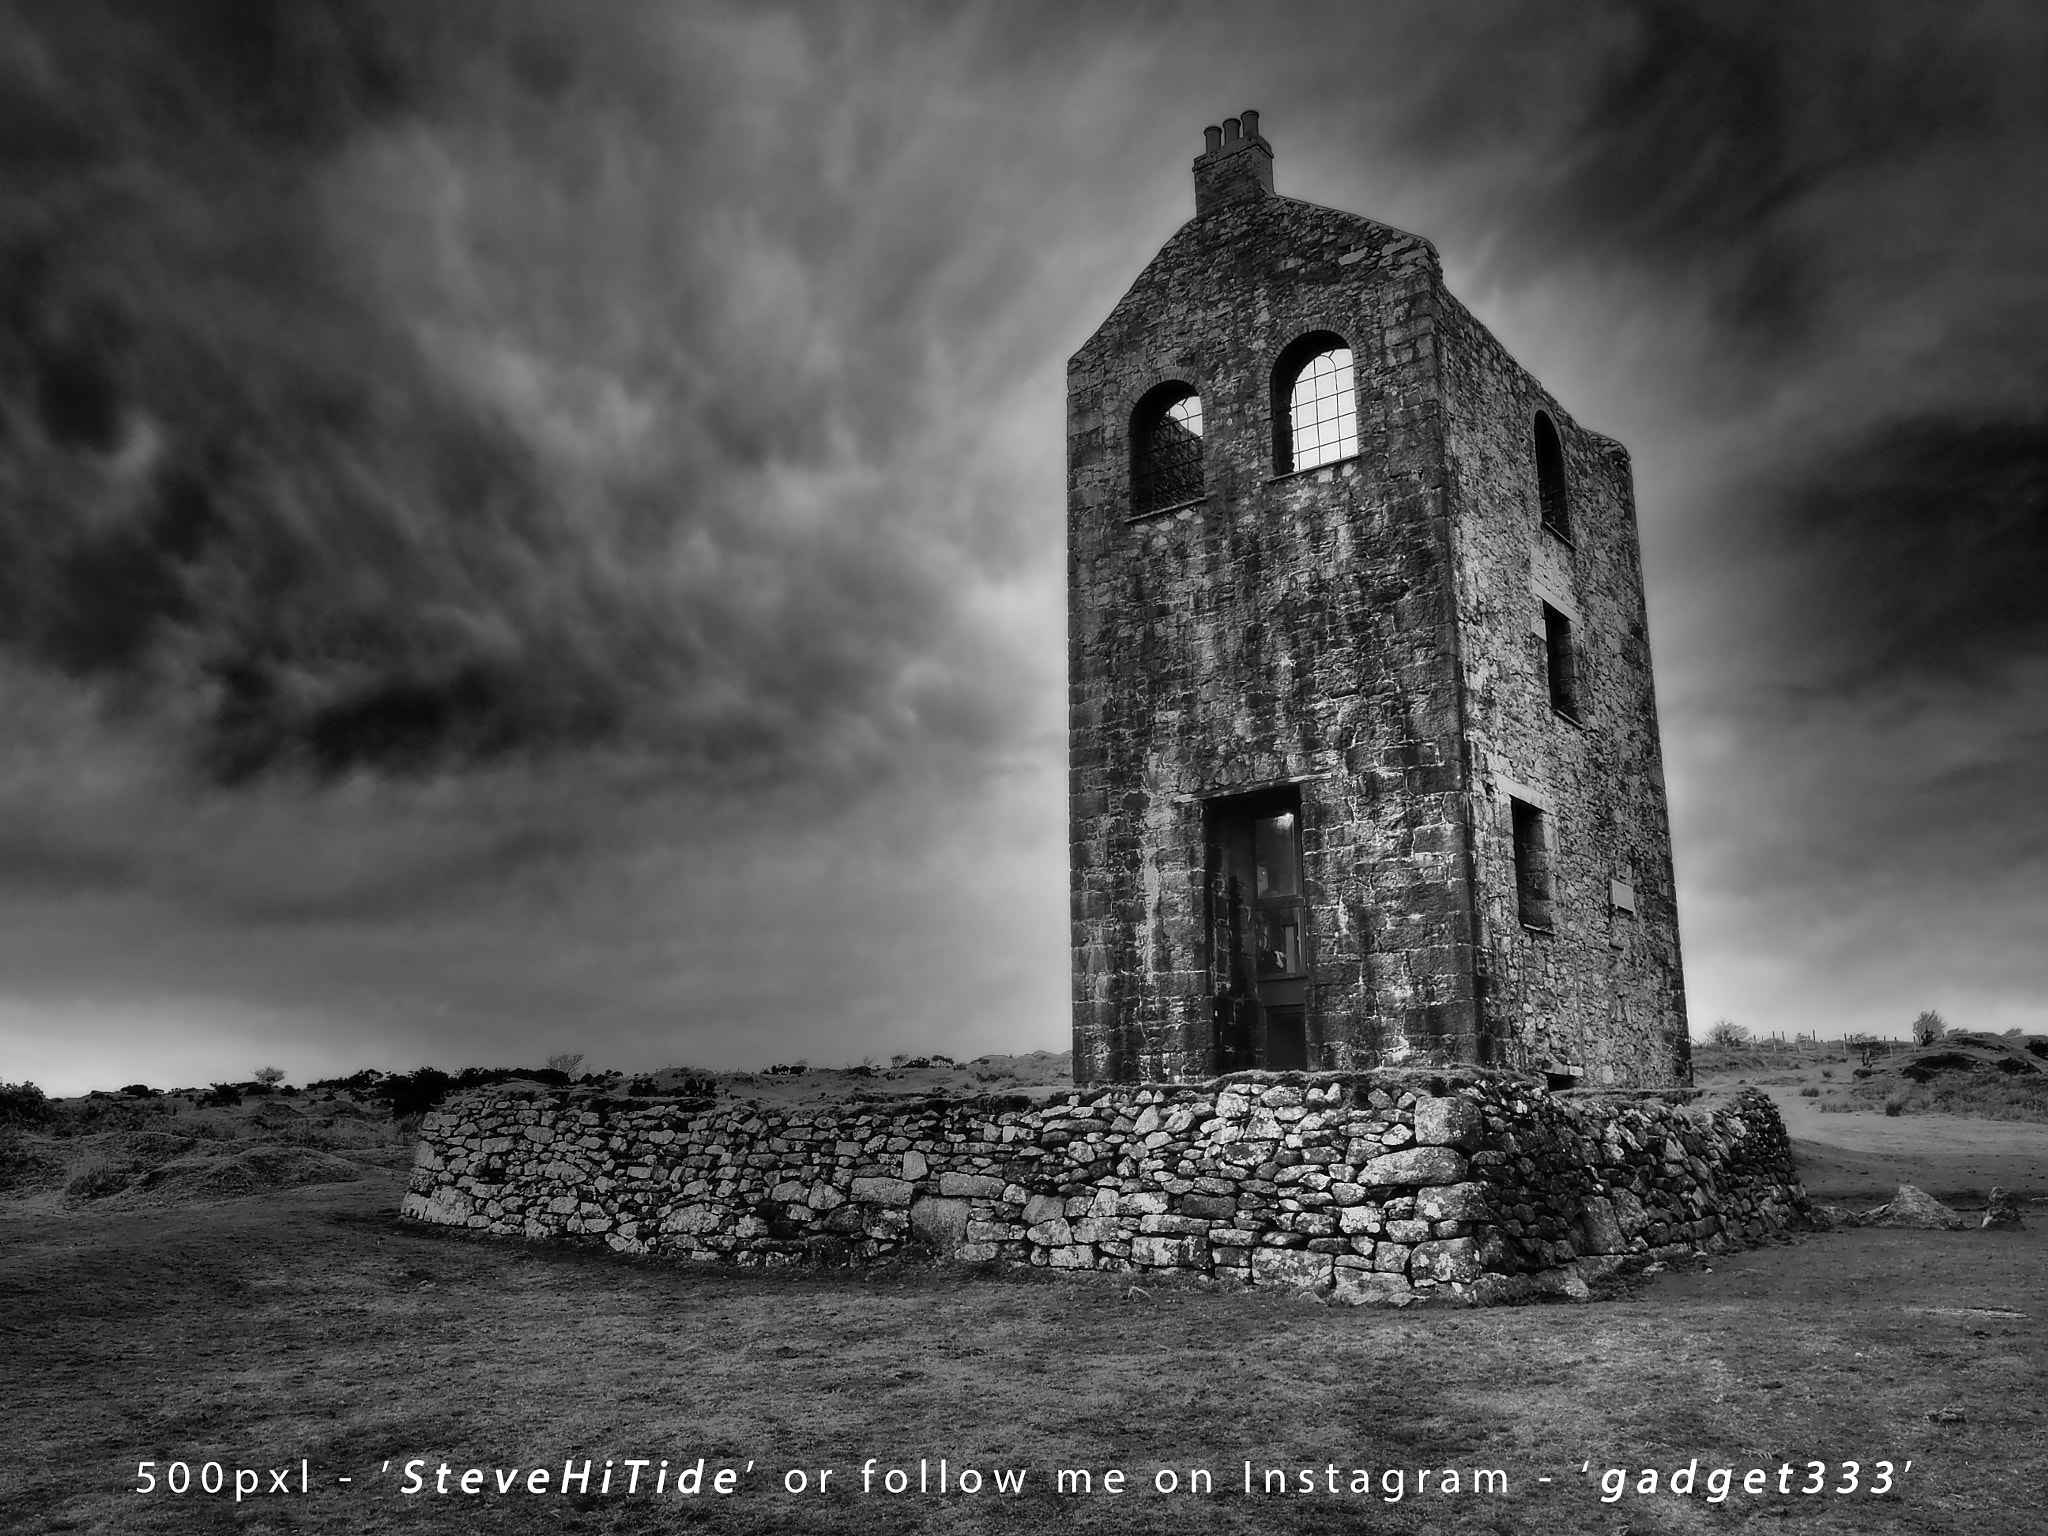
[
  {"x": 1281, "y": 630},
  {"x": 1385, "y": 1187},
  {"x": 1601, "y": 992}
]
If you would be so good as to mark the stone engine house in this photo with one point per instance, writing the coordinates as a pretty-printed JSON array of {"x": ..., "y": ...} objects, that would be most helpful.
[{"x": 1363, "y": 753}]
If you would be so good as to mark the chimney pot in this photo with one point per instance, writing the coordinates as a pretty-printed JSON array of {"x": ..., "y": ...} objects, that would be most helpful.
[{"x": 1236, "y": 167}]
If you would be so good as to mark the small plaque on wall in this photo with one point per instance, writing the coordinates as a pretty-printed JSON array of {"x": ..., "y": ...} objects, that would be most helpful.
[{"x": 1622, "y": 894}]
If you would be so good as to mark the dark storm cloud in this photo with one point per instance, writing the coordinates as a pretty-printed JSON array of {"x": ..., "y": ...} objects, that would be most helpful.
[
  {"x": 1924, "y": 551},
  {"x": 523, "y": 517},
  {"x": 393, "y": 387},
  {"x": 1699, "y": 138}
]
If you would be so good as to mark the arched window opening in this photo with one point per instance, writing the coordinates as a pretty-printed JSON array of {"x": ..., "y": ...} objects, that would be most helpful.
[
  {"x": 1315, "y": 404},
  {"x": 1550, "y": 492},
  {"x": 1166, "y": 449}
]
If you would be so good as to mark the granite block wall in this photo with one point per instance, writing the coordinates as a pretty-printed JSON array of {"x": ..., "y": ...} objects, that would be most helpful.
[
  {"x": 1383, "y": 1187},
  {"x": 1597, "y": 994}
]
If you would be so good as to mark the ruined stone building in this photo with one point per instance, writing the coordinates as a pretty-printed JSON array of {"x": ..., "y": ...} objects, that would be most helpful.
[{"x": 1363, "y": 746}]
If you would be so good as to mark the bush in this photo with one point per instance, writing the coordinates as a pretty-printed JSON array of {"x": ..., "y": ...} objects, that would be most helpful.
[
  {"x": 413, "y": 1093},
  {"x": 1928, "y": 1028},
  {"x": 23, "y": 1104},
  {"x": 1727, "y": 1032},
  {"x": 222, "y": 1096},
  {"x": 270, "y": 1077}
]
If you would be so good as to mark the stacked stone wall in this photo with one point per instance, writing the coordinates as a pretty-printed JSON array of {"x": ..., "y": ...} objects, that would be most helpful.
[
  {"x": 1600, "y": 992},
  {"x": 1382, "y": 1187},
  {"x": 1288, "y": 629}
]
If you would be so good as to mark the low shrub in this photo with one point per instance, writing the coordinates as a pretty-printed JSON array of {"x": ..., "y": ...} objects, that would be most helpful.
[{"x": 23, "y": 1104}]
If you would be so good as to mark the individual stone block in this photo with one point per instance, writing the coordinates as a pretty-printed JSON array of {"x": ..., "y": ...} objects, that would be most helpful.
[
  {"x": 939, "y": 1221},
  {"x": 872, "y": 1191},
  {"x": 1170, "y": 1252},
  {"x": 1414, "y": 1166},
  {"x": 1291, "y": 1267},
  {"x": 1366, "y": 1288},
  {"x": 1599, "y": 1228},
  {"x": 971, "y": 1186},
  {"x": 1040, "y": 1208},
  {"x": 1452, "y": 1202},
  {"x": 1053, "y": 1232}
]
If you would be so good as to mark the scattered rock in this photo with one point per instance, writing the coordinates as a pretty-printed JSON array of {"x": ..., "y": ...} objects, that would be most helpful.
[
  {"x": 1915, "y": 1208},
  {"x": 2001, "y": 1210},
  {"x": 1951, "y": 1413}
]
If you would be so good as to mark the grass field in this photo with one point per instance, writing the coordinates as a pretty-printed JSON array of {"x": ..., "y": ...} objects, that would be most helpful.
[{"x": 304, "y": 1324}]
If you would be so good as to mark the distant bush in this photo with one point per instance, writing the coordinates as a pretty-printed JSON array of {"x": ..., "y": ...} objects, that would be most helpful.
[
  {"x": 414, "y": 1093},
  {"x": 1928, "y": 1028},
  {"x": 270, "y": 1077},
  {"x": 566, "y": 1063},
  {"x": 789, "y": 1069},
  {"x": 1727, "y": 1032},
  {"x": 138, "y": 1091},
  {"x": 23, "y": 1104},
  {"x": 221, "y": 1096}
]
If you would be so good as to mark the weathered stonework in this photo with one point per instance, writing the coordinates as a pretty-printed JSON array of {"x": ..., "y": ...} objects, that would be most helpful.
[
  {"x": 1363, "y": 644},
  {"x": 1387, "y": 1187}
]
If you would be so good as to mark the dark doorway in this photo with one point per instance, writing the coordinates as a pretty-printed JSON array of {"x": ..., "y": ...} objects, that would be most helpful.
[{"x": 1258, "y": 931}]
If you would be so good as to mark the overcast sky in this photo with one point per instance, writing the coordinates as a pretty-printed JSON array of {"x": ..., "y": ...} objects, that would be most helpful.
[{"x": 529, "y": 528}]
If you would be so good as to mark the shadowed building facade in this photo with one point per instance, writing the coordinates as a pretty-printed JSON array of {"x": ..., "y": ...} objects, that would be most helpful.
[{"x": 1363, "y": 752}]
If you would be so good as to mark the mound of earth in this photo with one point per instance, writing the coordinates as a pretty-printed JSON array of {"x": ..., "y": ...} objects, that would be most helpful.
[
  {"x": 1969, "y": 1051},
  {"x": 214, "y": 1171}
]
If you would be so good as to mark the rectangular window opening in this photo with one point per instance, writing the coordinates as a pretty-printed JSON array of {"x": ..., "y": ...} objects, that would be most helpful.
[
  {"x": 1532, "y": 866},
  {"x": 1560, "y": 663}
]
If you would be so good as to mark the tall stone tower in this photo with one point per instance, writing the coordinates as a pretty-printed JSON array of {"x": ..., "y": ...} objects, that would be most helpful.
[{"x": 1363, "y": 745}]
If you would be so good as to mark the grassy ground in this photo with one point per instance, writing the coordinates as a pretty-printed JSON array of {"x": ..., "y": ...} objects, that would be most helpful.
[
  {"x": 1827, "y": 1072},
  {"x": 305, "y": 1323},
  {"x": 145, "y": 1318}
]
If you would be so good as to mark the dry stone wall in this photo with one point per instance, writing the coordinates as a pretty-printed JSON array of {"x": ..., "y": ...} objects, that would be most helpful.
[{"x": 1383, "y": 1187}]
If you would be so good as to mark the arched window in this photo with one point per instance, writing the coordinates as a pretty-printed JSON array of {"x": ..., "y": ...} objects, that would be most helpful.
[
  {"x": 1315, "y": 404},
  {"x": 1166, "y": 449},
  {"x": 1550, "y": 493}
]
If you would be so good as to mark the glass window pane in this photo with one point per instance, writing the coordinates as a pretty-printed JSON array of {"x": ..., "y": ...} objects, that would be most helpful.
[
  {"x": 1280, "y": 943},
  {"x": 1273, "y": 850},
  {"x": 1323, "y": 411}
]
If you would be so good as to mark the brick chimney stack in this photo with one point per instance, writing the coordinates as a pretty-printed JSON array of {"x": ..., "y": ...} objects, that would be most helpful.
[{"x": 1235, "y": 166}]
